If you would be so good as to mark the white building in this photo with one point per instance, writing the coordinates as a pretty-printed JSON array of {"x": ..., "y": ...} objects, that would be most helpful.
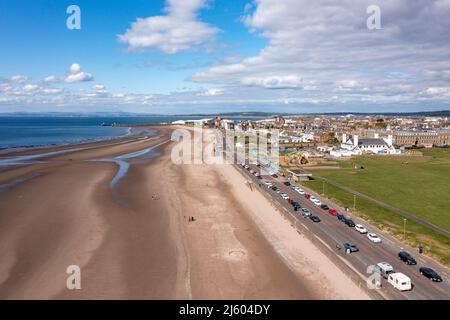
[{"x": 354, "y": 146}]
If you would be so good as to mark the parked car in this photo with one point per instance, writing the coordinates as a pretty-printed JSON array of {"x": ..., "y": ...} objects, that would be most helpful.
[
  {"x": 325, "y": 207},
  {"x": 314, "y": 218},
  {"x": 349, "y": 222},
  {"x": 374, "y": 237},
  {"x": 350, "y": 247},
  {"x": 400, "y": 281},
  {"x": 341, "y": 217},
  {"x": 275, "y": 175},
  {"x": 284, "y": 196},
  {"x": 430, "y": 274},
  {"x": 296, "y": 205},
  {"x": 360, "y": 228},
  {"x": 333, "y": 212},
  {"x": 307, "y": 195},
  {"x": 306, "y": 212},
  {"x": 407, "y": 258},
  {"x": 301, "y": 191},
  {"x": 274, "y": 188},
  {"x": 384, "y": 269},
  {"x": 287, "y": 183}
]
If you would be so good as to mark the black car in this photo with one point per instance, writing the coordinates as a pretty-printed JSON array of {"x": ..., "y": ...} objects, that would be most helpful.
[
  {"x": 275, "y": 175},
  {"x": 314, "y": 218},
  {"x": 287, "y": 183},
  {"x": 430, "y": 274},
  {"x": 274, "y": 188},
  {"x": 406, "y": 257},
  {"x": 325, "y": 207},
  {"x": 296, "y": 205},
  {"x": 350, "y": 223},
  {"x": 341, "y": 217},
  {"x": 350, "y": 247}
]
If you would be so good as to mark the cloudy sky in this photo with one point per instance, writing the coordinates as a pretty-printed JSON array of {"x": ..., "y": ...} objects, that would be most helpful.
[{"x": 186, "y": 56}]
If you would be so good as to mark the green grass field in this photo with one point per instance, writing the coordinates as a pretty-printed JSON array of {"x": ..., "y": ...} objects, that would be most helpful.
[{"x": 417, "y": 185}]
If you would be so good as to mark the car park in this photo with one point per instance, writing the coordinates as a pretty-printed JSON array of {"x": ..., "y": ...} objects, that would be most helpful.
[
  {"x": 314, "y": 218},
  {"x": 407, "y": 258},
  {"x": 350, "y": 247},
  {"x": 430, "y": 274},
  {"x": 360, "y": 228},
  {"x": 325, "y": 207},
  {"x": 374, "y": 237},
  {"x": 333, "y": 212}
]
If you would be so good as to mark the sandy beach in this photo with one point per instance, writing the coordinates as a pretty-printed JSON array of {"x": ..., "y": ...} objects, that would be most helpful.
[{"x": 135, "y": 240}]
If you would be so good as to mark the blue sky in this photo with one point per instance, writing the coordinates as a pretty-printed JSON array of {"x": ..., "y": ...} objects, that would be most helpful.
[{"x": 197, "y": 55}]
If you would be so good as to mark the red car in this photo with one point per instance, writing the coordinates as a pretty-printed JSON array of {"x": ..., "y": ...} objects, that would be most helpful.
[
  {"x": 307, "y": 196},
  {"x": 333, "y": 212}
]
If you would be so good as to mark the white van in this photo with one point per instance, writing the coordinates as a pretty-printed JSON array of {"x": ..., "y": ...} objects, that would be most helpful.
[{"x": 400, "y": 281}]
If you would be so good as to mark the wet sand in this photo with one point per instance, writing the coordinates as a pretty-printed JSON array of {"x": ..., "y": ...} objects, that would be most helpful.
[{"x": 135, "y": 241}]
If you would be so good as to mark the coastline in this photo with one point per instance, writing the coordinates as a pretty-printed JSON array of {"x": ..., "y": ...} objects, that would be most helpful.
[{"x": 138, "y": 243}]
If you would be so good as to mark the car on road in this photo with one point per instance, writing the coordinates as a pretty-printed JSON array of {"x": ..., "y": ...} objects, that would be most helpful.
[
  {"x": 333, "y": 212},
  {"x": 430, "y": 274},
  {"x": 296, "y": 205},
  {"x": 314, "y": 218},
  {"x": 287, "y": 183},
  {"x": 350, "y": 247},
  {"x": 284, "y": 196},
  {"x": 325, "y": 207},
  {"x": 407, "y": 258},
  {"x": 349, "y": 222},
  {"x": 384, "y": 269},
  {"x": 306, "y": 212},
  {"x": 360, "y": 228},
  {"x": 374, "y": 237}
]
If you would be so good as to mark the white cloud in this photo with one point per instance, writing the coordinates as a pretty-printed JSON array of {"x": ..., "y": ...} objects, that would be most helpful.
[
  {"x": 212, "y": 92},
  {"x": 52, "y": 90},
  {"x": 51, "y": 79},
  {"x": 177, "y": 31},
  {"x": 274, "y": 82},
  {"x": 30, "y": 87},
  {"x": 18, "y": 79},
  {"x": 76, "y": 75},
  {"x": 329, "y": 45}
]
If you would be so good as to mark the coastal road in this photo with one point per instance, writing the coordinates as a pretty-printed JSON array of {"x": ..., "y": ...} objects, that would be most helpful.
[{"x": 332, "y": 232}]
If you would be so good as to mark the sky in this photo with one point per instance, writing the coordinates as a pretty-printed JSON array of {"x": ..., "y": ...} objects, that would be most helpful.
[{"x": 213, "y": 56}]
